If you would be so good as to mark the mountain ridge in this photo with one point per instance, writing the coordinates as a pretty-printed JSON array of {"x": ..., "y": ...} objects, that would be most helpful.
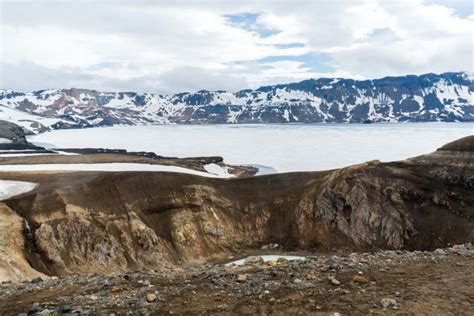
[{"x": 447, "y": 97}]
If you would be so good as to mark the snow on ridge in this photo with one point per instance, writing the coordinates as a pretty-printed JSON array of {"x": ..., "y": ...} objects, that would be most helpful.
[
  {"x": 9, "y": 188},
  {"x": 87, "y": 108},
  {"x": 469, "y": 75},
  {"x": 215, "y": 169},
  {"x": 25, "y": 120},
  {"x": 116, "y": 167}
]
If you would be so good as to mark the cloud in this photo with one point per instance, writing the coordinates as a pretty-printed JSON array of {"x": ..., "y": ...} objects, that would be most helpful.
[{"x": 171, "y": 46}]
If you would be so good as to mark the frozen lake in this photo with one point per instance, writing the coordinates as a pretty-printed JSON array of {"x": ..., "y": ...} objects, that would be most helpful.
[{"x": 284, "y": 147}]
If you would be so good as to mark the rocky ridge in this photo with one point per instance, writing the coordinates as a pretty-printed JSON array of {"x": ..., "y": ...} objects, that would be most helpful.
[
  {"x": 101, "y": 222},
  {"x": 445, "y": 97},
  {"x": 12, "y": 137}
]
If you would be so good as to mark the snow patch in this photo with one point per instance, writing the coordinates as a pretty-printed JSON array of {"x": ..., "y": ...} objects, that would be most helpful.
[
  {"x": 108, "y": 167},
  {"x": 5, "y": 141},
  {"x": 9, "y": 188},
  {"x": 25, "y": 154},
  {"x": 268, "y": 258},
  {"x": 215, "y": 169}
]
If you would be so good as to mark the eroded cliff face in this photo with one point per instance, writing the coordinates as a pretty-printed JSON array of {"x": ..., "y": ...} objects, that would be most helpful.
[
  {"x": 107, "y": 222},
  {"x": 14, "y": 265}
]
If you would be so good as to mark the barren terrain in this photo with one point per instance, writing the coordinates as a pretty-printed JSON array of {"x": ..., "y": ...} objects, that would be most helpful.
[{"x": 152, "y": 242}]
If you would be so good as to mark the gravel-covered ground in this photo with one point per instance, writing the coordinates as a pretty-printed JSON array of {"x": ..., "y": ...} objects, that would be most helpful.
[{"x": 439, "y": 282}]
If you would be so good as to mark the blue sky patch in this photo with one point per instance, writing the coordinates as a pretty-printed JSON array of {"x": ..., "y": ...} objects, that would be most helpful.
[
  {"x": 317, "y": 62},
  {"x": 248, "y": 22}
]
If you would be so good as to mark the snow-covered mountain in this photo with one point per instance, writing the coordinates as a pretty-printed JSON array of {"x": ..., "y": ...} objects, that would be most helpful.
[{"x": 429, "y": 97}]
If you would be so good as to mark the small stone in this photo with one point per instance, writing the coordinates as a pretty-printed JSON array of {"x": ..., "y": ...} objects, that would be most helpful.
[
  {"x": 458, "y": 247},
  {"x": 242, "y": 277},
  {"x": 150, "y": 298},
  {"x": 270, "y": 246},
  {"x": 334, "y": 281},
  {"x": 65, "y": 309},
  {"x": 132, "y": 302},
  {"x": 359, "y": 279},
  {"x": 388, "y": 303},
  {"x": 115, "y": 289},
  {"x": 253, "y": 260},
  {"x": 310, "y": 277},
  {"x": 282, "y": 260},
  {"x": 297, "y": 281},
  {"x": 36, "y": 280},
  {"x": 34, "y": 309},
  {"x": 440, "y": 252},
  {"x": 385, "y": 270},
  {"x": 92, "y": 297}
]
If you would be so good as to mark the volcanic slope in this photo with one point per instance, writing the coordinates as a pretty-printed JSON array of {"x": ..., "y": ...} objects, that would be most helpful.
[{"x": 86, "y": 222}]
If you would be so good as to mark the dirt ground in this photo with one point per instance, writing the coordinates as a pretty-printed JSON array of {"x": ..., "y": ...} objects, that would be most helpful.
[{"x": 420, "y": 284}]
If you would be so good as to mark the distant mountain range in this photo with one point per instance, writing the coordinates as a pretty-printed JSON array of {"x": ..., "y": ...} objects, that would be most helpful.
[{"x": 447, "y": 97}]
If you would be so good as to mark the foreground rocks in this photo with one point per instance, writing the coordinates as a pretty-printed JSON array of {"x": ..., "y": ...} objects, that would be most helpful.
[{"x": 420, "y": 282}]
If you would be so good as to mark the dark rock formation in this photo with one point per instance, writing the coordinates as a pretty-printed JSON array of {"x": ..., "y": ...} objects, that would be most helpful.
[
  {"x": 12, "y": 132},
  {"x": 15, "y": 136}
]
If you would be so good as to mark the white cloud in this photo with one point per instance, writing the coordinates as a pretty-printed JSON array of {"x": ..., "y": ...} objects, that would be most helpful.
[{"x": 188, "y": 45}]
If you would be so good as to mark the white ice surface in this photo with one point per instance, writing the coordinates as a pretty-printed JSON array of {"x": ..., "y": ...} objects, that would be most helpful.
[
  {"x": 25, "y": 154},
  {"x": 267, "y": 258},
  {"x": 106, "y": 167},
  {"x": 10, "y": 188},
  {"x": 284, "y": 147},
  {"x": 19, "y": 151},
  {"x": 217, "y": 170}
]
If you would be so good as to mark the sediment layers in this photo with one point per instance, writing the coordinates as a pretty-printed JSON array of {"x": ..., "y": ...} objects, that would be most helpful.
[{"x": 86, "y": 222}]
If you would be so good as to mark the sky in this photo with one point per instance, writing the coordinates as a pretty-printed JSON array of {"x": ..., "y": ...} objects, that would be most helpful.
[{"x": 175, "y": 46}]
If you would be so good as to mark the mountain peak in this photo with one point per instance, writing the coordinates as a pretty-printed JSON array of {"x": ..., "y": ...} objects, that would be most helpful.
[{"x": 429, "y": 97}]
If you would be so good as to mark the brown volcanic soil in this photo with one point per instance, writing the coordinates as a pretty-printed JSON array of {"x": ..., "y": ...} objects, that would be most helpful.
[{"x": 417, "y": 283}]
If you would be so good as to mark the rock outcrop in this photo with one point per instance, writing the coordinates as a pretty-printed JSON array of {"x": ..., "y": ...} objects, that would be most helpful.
[
  {"x": 14, "y": 265},
  {"x": 104, "y": 222},
  {"x": 12, "y": 132},
  {"x": 14, "y": 137}
]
